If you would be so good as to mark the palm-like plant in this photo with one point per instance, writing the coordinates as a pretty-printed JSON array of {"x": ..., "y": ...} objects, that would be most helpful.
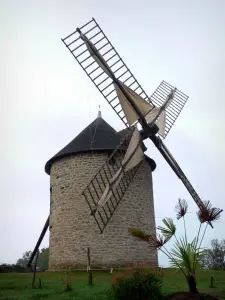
[
  {"x": 181, "y": 210},
  {"x": 184, "y": 255},
  {"x": 187, "y": 255},
  {"x": 169, "y": 230}
]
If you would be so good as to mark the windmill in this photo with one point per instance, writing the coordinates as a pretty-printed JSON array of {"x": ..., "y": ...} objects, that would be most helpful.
[{"x": 155, "y": 115}]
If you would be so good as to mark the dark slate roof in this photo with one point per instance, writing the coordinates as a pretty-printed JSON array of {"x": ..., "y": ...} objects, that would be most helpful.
[{"x": 98, "y": 136}]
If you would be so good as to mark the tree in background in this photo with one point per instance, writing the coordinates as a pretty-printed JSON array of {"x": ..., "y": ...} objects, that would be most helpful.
[
  {"x": 43, "y": 259},
  {"x": 42, "y": 263},
  {"x": 22, "y": 262},
  {"x": 214, "y": 258}
]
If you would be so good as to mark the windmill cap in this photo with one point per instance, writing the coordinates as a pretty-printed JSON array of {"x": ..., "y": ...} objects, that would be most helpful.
[{"x": 98, "y": 136}]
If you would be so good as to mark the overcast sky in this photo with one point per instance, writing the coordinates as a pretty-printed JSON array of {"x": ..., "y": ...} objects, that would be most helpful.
[{"x": 46, "y": 100}]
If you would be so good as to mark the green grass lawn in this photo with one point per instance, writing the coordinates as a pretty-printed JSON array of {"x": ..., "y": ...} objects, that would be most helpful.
[{"x": 18, "y": 286}]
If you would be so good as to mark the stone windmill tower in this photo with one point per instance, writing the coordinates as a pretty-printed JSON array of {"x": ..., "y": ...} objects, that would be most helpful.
[
  {"x": 106, "y": 172},
  {"x": 71, "y": 228}
]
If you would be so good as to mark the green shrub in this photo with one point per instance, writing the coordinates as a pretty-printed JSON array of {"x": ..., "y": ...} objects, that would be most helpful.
[
  {"x": 68, "y": 282},
  {"x": 139, "y": 283}
]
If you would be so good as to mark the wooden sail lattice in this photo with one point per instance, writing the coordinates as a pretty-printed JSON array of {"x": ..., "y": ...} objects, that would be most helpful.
[
  {"x": 104, "y": 83},
  {"x": 176, "y": 106},
  {"x": 97, "y": 185}
]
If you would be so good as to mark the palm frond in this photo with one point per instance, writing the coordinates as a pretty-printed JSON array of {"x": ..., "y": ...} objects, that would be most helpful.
[
  {"x": 181, "y": 208},
  {"x": 185, "y": 255},
  {"x": 157, "y": 241},
  {"x": 139, "y": 234},
  {"x": 207, "y": 213},
  {"x": 215, "y": 214},
  {"x": 154, "y": 240},
  {"x": 169, "y": 230}
]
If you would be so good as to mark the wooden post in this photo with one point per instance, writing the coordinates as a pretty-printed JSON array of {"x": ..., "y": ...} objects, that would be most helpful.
[
  {"x": 35, "y": 267},
  {"x": 39, "y": 242},
  {"x": 90, "y": 277},
  {"x": 211, "y": 281},
  {"x": 40, "y": 284}
]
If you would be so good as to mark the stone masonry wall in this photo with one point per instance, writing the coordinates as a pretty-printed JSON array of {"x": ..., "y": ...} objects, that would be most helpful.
[{"x": 72, "y": 229}]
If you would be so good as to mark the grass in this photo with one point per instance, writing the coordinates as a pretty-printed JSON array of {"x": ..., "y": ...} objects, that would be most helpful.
[{"x": 18, "y": 286}]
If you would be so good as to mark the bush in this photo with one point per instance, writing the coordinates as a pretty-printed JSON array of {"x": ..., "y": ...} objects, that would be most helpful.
[
  {"x": 139, "y": 283},
  {"x": 13, "y": 268}
]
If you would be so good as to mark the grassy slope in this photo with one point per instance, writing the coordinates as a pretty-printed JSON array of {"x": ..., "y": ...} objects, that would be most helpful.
[{"x": 17, "y": 286}]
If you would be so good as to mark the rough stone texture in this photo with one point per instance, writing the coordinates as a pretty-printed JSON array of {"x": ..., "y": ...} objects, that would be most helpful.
[{"x": 72, "y": 229}]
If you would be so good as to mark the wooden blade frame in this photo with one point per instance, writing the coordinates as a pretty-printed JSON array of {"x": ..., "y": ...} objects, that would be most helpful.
[
  {"x": 176, "y": 106},
  {"x": 104, "y": 83},
  {"x": 97, "y": 185}
]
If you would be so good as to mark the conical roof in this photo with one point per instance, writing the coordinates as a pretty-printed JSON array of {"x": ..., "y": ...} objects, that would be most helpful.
[{"x": 98, "y": 136}]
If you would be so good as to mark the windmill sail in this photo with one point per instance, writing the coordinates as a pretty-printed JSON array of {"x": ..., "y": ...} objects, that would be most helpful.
[
  {"x": 97, "y": 56},
  {"x": 172, "y": 100},
  {"x": 132, "y": 158},
  {"x": 142, "y": 104},
  {"x": 100, "y": 61},
  {"x": 105, "y": 191},
  {"x": 161, "y": 123},
  {"x": 130, "y": 101},
  {"x": 151, "y": 113},
  {"x": 158, "y": 114}
]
